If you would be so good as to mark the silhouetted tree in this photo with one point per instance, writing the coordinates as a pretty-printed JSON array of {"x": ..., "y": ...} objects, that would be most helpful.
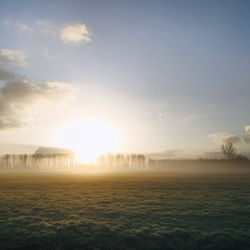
[{"x": 228, "y": 150}]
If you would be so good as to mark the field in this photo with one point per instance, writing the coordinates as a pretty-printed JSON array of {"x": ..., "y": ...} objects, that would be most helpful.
[{"x": 125, "y": 211}]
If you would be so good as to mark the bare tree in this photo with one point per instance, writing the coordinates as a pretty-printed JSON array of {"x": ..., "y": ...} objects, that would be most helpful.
[{"x": 229, "y": 151}]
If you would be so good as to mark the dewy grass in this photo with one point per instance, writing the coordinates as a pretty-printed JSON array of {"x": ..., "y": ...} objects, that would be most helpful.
[{"x": 125, "y": 211}]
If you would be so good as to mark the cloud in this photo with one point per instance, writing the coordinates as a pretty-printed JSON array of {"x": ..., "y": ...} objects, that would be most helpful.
[
  {"x": 18, "y": 25},
  {"x": 75, "y": 34},
  {"x": 21, "y": 100},
  {"x": 247, "y": 129},
  {"x": 43, "y": 23},
  {"x": 23, "y": 27},
  {"x": 223, "y": 137},
  {"x": 6, "y": 22},
  {"x": 46, "y": 30},
  {"x": 8, "y": 56},
  {"x": 246, "y": 137}
]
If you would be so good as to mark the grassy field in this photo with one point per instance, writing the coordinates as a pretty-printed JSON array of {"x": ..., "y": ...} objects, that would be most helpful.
[{"x": 125, "y": 211}]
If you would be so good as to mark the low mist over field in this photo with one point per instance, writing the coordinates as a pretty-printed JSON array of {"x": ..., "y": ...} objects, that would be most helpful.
[{"x": 124, "y": 124}]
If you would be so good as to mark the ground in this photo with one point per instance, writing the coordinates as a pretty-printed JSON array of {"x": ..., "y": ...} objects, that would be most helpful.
[{"x": 125, "y": 211}]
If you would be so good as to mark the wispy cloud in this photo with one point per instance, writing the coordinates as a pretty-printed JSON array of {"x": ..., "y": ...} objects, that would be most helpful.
[
  {"x": 23, "y": 27},
  {"x": 47, "y": 55},
  {"x": 8, "y": 56},
  {"x": 6, "y": 22},
  {"x": 46, "y": 29},
  {"x": 18, "y": 25},
  {"x": 75, "y": 34}
]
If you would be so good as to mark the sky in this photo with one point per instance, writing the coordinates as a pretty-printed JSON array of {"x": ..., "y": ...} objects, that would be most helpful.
[{"x": 166, "y": 76}]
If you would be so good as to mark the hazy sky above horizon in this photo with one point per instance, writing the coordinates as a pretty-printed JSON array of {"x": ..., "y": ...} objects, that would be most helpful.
[{"x": 164, "y": 74}]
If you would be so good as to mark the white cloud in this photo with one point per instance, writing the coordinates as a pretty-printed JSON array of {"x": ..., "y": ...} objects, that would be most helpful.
[
  {"x": 21, "y": 101},
  {"x": 246, "y": 137},
  {"x": 13, "y": 56},
  {"x": 223, "y": 137},
  {"x": 247, "y": 129},
  {"x": 46, "y": 31},
  {"x": 75, "y": 34}
]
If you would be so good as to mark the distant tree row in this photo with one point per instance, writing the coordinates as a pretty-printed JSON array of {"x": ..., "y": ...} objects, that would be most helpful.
[
  {"x": 37, "y": 161},
  {"x": 47, "y": 161},
  {"x": 122, "y": 160}
]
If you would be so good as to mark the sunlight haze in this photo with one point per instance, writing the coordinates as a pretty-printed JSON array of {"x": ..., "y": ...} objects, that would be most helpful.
[
  {"x": 165, "y": 76},
  {"x": 88, "y": 138}
]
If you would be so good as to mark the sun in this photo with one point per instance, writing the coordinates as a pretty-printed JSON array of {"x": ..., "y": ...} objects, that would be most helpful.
[{"x": 88, "y": 139}]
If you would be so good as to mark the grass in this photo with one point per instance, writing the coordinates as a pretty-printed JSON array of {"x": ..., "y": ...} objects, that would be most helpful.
[{"x": 125, "y": 211}]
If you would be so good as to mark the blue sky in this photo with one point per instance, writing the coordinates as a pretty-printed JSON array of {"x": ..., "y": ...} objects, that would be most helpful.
[{"x": 165, "y": 74}]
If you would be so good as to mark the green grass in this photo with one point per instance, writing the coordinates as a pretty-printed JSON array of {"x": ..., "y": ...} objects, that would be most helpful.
[{"x": 125, "y": 211}]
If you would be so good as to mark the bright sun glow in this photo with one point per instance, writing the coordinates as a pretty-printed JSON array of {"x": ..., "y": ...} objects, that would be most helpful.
[{"x": 88, "y": 138}]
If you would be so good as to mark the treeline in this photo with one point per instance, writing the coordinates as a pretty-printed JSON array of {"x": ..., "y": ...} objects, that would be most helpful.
[
  {"x": 122, "y": 161},
  {"x": 31, "y": 161},
  {"x": 64, "y": 161}
]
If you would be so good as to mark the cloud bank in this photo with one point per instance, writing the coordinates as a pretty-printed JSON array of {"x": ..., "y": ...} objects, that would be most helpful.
[
  {"x": 20, "y": 99},
  {"x": 224, "y": 137}
]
